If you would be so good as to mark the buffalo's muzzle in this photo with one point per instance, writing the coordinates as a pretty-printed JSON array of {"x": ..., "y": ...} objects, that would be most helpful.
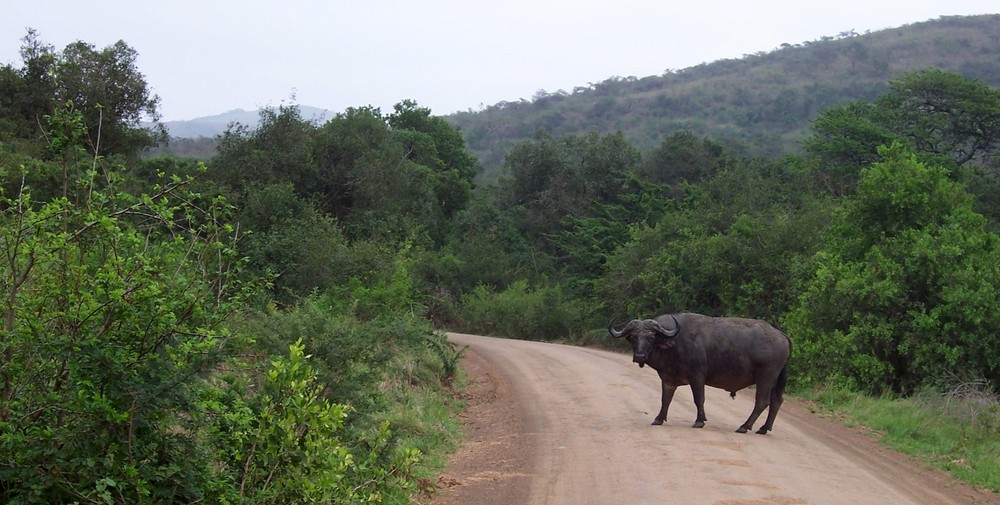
[{"x": 640, "y": 359}]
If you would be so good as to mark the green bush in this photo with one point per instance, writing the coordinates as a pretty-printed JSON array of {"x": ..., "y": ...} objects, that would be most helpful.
[
  {"x": 286, "y": 444},
  {"x": 904, "y": 292},
  {"x": 543, "y": 313},
  {"x": 112, "y": 310},
  {"x": 389, "y": 367}
]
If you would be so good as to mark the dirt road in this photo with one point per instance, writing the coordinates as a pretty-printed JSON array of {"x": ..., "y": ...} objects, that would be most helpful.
[{"x": 552, "y": 424}]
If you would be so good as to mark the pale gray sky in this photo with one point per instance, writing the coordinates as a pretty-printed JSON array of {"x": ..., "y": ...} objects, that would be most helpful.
[{"x": 204, "y": 57}]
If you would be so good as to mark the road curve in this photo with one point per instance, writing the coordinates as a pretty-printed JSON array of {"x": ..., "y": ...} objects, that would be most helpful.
[{"x": 575, "y": 425}]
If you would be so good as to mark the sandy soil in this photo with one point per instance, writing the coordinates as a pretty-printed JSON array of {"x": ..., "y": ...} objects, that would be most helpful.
[{"x": 552, "y": 424}]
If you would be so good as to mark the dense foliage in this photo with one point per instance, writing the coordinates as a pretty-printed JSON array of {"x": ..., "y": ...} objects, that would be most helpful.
[
  {"x": 113, "y": 304},
  {"x": 904, "y": 290},
  {"x": 143, "y": 358},
  {"x": 257, "y": 328}
]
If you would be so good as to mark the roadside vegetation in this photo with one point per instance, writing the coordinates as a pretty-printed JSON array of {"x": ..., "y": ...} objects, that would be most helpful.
[
  {"x": 955, "y": 429},
  {"x": 266, "y": 326}
]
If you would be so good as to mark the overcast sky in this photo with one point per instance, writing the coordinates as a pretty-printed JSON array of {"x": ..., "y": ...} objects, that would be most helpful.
[{"x": 204, "y": 57}]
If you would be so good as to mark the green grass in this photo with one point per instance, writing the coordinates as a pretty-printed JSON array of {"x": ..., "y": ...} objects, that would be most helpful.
[
  {"x": 423, "y": 410},
  {"x": 959, "y": 433},
  {"x": 426, "y": 420}
]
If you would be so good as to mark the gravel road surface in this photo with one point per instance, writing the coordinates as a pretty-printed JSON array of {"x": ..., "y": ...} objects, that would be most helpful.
[{"x": 553, "y": 424}]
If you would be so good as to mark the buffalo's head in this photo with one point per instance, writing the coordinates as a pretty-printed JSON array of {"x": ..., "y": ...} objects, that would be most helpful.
[{"x": 645, "y": 336}]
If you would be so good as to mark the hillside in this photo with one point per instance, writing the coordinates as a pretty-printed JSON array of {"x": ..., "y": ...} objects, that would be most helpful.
[{"x": 761, "y": 103}]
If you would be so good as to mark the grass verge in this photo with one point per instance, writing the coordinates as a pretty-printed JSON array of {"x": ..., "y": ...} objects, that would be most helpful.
[
  {"x": 423, "y": 410},
  {"x": 957, "y": 431}
]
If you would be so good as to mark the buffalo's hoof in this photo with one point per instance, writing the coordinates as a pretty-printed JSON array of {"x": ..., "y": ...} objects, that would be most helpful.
[
  {"x": 762, "y": 431},
  {"x": 657, "y": 422},
  {"x": 698, "y": 424},
  {"x": 741, "y": 429}
]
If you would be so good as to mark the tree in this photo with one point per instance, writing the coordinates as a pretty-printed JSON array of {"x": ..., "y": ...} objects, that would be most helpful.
[
  {"x": 584, "y": 247},
  {"x": 371, "y": 185},
  {"x": 26, "y": 93},
  {"x": 947, "y": 114},
  {"x": 552, "y": 179},
  {"x": 944, "y": 118},
  {"x": 682, "y": 157},
  {"x": 844, "y": 139},
  {"x": 729, "y": 248},
  {"x": 447, "y": 149},
  {"x": 905, "y": 287},
  {"x": 277, "y": 151},
  {"x": 105, "y": 85},
  {"x": 297, "y": 246},
  {"x": 432, "y": 142},
  {"x": 484, "y": 247},
  {"x": 310, "y": 193}
]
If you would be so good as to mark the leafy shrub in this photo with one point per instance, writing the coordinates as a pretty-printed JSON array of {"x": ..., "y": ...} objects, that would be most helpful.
[
  {"x": 287, "y": 444},
  {"x": 385, "y": 367},
  {"x": 112, "y": 306},
  {"x": 544, "y": 313}
]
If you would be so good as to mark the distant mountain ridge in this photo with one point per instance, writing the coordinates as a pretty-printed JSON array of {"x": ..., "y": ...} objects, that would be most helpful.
[{"x": 211, "y": 126}]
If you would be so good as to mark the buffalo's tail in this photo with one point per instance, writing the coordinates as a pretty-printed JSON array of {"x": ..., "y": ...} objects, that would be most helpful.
[
  {"x": 779, "y": 387},
  {"x": 783, "y": 376}
]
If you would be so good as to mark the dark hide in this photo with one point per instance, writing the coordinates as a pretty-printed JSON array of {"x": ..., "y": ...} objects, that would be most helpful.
[{"x": 722, "y": 352}]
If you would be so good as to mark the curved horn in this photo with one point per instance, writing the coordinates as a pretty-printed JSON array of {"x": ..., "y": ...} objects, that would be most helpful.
[
  {"x": 613, "y": 332},
  {"x": 677, "y": 328},
  {"x": 657, "y": 327}
]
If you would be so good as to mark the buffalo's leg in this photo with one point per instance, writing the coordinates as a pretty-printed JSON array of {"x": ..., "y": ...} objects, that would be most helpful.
[
  {"x": 665, "y": 398},
  {"x": 698, "y": 391},
  {"x": 776, "y": 400},
  {"x": 763, "y": 398},
  {"x": 772, "y": 411}
]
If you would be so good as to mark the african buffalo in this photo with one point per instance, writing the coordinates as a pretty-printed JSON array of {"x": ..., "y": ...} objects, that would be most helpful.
[{"x": 722, "y": 352}]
